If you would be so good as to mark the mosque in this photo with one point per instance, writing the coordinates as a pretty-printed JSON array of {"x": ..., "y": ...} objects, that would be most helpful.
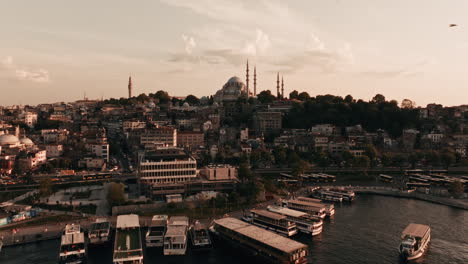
[
  {"x": 12, "y": 141},
  {"x": 235, "y": 88}
]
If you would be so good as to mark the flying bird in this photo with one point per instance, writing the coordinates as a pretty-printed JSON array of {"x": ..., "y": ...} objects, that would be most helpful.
[{"x": 453, "y": 25}]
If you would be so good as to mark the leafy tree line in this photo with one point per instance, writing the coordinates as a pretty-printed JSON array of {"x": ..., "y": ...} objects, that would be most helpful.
[{"x": 372, "y": 115}]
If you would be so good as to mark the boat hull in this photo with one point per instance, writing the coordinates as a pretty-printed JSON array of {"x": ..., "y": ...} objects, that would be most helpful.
[{"x": 415, "y": 255}]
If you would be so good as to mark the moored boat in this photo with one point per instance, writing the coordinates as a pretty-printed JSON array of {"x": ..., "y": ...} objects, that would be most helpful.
[
  {"x": 308, "y": 207},
  {"x": 200, "y": 237},
  {"x": 156, "y": 231},
  {"x": 259, "y": 243},
  {"x": 329, "y": 207},
  {"x": 175, "y": 239},
  {"x": 73, "y": 245},
  {"x": 127, "y": 246},
  {"x": 305, "y": 223},
  {"x": 99, "y": 232},
  {"x": 414, "y": 241},
  {"x": 274, "y": 222}
]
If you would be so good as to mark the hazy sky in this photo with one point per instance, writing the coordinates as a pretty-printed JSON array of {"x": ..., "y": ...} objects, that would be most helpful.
[{"x": 56, "y": 50}]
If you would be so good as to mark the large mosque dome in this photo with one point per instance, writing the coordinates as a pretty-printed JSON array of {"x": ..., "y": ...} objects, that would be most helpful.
[
  {"x": 231, "y": 91},
  {"x": 9, "y": 140}
]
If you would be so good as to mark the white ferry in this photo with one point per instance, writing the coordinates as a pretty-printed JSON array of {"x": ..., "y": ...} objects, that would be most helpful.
[
  {"x": 348, "y": 195},
  {"x": 308, "y": 207},
  {"x": 73, "y": 245},
  {"x": 127, "y": 246},
  {"x": 414, "y": 241},
  {"x": 156, "y": 231},
  {"x": 99, "y": 232},
  {"x": 275, "y": 222},
  {"x": 329, "y": 207},
  {"x": 175, "y": 239},
  {"x": 305, "y": 223},
  {"x": 328, "y": 196}
]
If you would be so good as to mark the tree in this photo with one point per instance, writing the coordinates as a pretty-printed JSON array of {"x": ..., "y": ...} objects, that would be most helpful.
[
  {"x": 362, "y": 161},
  {"x": 349, "y": 99},
  {"x": 303, "y": 96},
  {"x": 378, "y": 99},
  {"x": 457, "y": 189},
  {"x": 408, "y": 104},
  {"x": 293, "y": 95},
  {"x": 245, "y": 174},
  {"x": 265, "y": 97},
  {"x": 347, "y": 157},
  {"x": 280, "y": 156},
  {"x": 45, "y": 187},
  {"x": 192, "y": 99},
  {"x": 143, "y": 98},
  {"x": 115, "y": 194},
  {"x": 299, "y": 168},
  {"x": 162, "y": 96},
  {"x": 371, "y": 152},
  {"x": 447, "y": 159}
]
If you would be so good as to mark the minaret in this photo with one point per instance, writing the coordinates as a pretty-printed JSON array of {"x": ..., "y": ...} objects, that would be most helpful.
[
  {"x": 130, "y": 87},
  {"x": 255, "y": 81},
  {"x": 277, "y": 86},
  {"x": 247, "y": 78},
  {"x": 282, "y": 87}
]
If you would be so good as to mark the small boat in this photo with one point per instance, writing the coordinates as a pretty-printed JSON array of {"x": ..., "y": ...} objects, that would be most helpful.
[
  {"x": 99, "y": 232},
  {"x": 414, "y": 241},
  {"x": 73, "y": 245},
  {"x": 156, "y": 231},
  {"x": 200, "y": 237},
  {"x": 175, "y": 239}
]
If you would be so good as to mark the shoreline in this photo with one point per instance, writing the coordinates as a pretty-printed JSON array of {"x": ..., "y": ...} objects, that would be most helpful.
[{"x": 454, "y": 203}]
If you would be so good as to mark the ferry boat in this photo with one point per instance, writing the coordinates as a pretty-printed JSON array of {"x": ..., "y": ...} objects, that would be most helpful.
[
  {"x": 308, "y": 207},
  {"x": 200, "y": 237},
  {"x": 73, "y": 245},
  {"x": 275, "y": 222},
  {"x": 414, "y": 241},
  {"x": 348, "y": 195},
  {"x": 258, "y": 242},
  {"x": 305, "y": 223},
  {"x": 329, "y": 207},
  {"x": 328, "y": 196},
  {"x": 99, "y": 232},
  {"x": 156, "y": 231},
  {"x": 175, "y": 239},
  {"x": 127, "y": 245},
  {"x": 386, "y": 178}
]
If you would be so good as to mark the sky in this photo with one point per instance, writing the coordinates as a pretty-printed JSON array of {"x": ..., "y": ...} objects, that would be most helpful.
[{"x": 55, "y": 50}]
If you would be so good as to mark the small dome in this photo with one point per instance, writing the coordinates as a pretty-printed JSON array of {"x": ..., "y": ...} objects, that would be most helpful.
[
  {"x": 235, "y": 79},
  {"x": 26, "y": 141},
  {"x": 186, "y": 105},
  {"x": 8, "y": 139}
]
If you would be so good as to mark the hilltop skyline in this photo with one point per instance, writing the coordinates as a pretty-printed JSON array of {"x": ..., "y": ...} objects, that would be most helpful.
[{"x": 53, "y": 51}]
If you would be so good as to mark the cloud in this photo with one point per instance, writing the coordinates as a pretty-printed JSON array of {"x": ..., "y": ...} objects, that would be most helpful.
[
  {"x": 189, "y": 43},
  {"x": 40, "y": 75},
  {"x": 258, "y": 46},
  {"x": 314, "y": 43},
  {"x": 11, "y": 70}
]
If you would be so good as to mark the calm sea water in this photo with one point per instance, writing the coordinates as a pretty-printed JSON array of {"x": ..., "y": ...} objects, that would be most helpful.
[{"x": 366, "y": 231}]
